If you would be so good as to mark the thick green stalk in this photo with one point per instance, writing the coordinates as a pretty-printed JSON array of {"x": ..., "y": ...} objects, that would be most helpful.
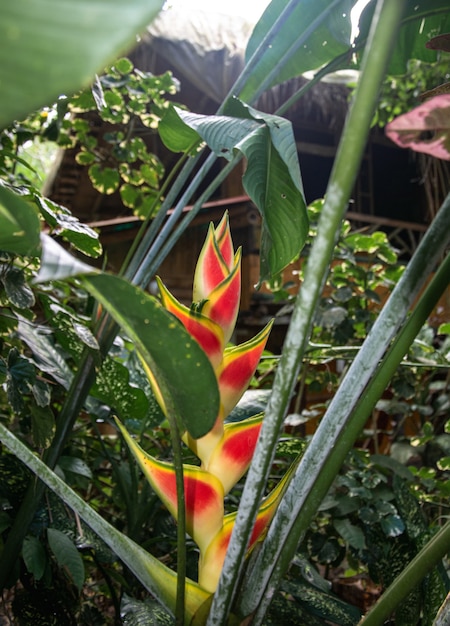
[
  {"x": 430, "y": 555},
  {"x": 347, "y": 414},
  {"x": 339, "y": 190}
]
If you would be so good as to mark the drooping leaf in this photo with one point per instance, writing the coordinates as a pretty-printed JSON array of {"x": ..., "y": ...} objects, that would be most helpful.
[
  {"x": 81, "y": 236},
  {"x": 424, "y": 129},
  {"x": 34, "y": 557},
  {"x": 19, "y": 224},
  {"x": 272, "y": 178},
  {"x": 50, "y": 48},
  {"x": 177, "y": 361},
  {"x": 67, "y": 555},
  {"x": 57, "y": 263}
]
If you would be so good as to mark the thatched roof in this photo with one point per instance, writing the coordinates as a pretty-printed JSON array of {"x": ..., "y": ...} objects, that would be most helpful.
[{"x": 206, "y": 51}]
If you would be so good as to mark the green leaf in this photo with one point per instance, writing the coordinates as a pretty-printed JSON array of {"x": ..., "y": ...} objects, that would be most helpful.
[
  {"x": 51, "y": 48},
  {"x": 34, "y": 556},
  {"x": 324, "y": 43},
  {"x": 181, "y": 368},
  {"x": 18, "y": 292},
  {"x": 19, "y": 224},
  {"x": 253, "y": 401},
  {"x": 113, "y": 388},
  {"x": 57, "y": 263},
  {"x": 81, "y": 236},
  {"x": 66, "y": 555},
  {"x": 149, "y": 613},
  {"x": 75, "y": 465},
  {"x": 350, "y": 533},
  {"x": 105, "y": 179},
  {"x": 42, "y": 425},
  {"x": 176, "y": 135},
  {"x": 272, "y": 178},
  {"x": 421, "y": 21}
]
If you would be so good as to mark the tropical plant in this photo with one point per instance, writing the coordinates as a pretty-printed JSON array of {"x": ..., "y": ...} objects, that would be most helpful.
[{"x": 289, "y": 40}]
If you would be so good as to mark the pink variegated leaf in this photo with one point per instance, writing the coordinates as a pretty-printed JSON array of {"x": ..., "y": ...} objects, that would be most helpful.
[
  {"x": 238, "y": 366},
  {"x": 211, "y": 560},
  {"x": 206, "y": 332},
  {"x": 425, "y": 129},
  {"x": 222, "y": 305},
  {"x": 203, "y": 492},
  {"x": 232, "y": 455}
]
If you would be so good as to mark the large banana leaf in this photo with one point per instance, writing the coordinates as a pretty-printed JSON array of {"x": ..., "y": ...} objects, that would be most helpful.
[
  {"x": 422, "y": 20},
  {"x": 272, "y": 178},
  {"x": 328, "y": 40},
  {"x": 54, "y": 47}
]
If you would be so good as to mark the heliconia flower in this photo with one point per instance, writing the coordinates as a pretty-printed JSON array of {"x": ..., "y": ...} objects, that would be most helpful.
[
  {"x": 237, "y": 368},
  {"x": 203, "y": 492},
  {"x": 211, "y": 560},
  {"x": 231, "y": 457},
  {"x": 226, "y": 451},
  {"x": 205, "y": 331}
]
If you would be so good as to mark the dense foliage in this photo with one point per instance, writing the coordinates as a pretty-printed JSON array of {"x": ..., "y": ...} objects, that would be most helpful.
[{"x": 360, "y": 392}]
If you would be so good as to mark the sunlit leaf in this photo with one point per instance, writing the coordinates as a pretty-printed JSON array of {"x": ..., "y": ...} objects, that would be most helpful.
[
  {"x": 272, "y": 178},
  {"x": 326, "y": 41},
  {"x": 51, "y": 48},
  {"x": 19, "y": 224}
]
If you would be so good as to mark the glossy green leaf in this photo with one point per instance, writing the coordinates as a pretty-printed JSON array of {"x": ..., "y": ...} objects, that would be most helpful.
[
  {"x": 42, "y": 426},
  {"x": 16, "y": 288},
  {"x": 51, "y": 48},
  {"x": 422, "y": 20},
  {"x": 112, "y": 387},
  {"x": 272, "y": 178},
  {"x": 67, "y": 226},
  {"x": 138, "y": 613},
  {"x": 181, "y": 368},
  {"x": 19, "y": 224},
  {"x": 328, "y": 40},
  {"x": 67, "y": 555}
]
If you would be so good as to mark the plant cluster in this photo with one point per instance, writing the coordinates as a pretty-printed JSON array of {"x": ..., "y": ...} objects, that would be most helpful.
[{"x": 79, "y": 347}]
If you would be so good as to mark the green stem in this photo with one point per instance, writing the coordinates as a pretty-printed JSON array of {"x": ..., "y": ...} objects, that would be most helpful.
[
  {"x": 430, "y": 555},
  {"x": 181, "y": 518},
  {"x": 342, "y": 425},
  {"x": 339, "y": 190}
]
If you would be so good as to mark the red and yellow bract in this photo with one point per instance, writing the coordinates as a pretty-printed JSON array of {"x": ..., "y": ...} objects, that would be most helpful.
[{"x": 226, "y": 451}]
